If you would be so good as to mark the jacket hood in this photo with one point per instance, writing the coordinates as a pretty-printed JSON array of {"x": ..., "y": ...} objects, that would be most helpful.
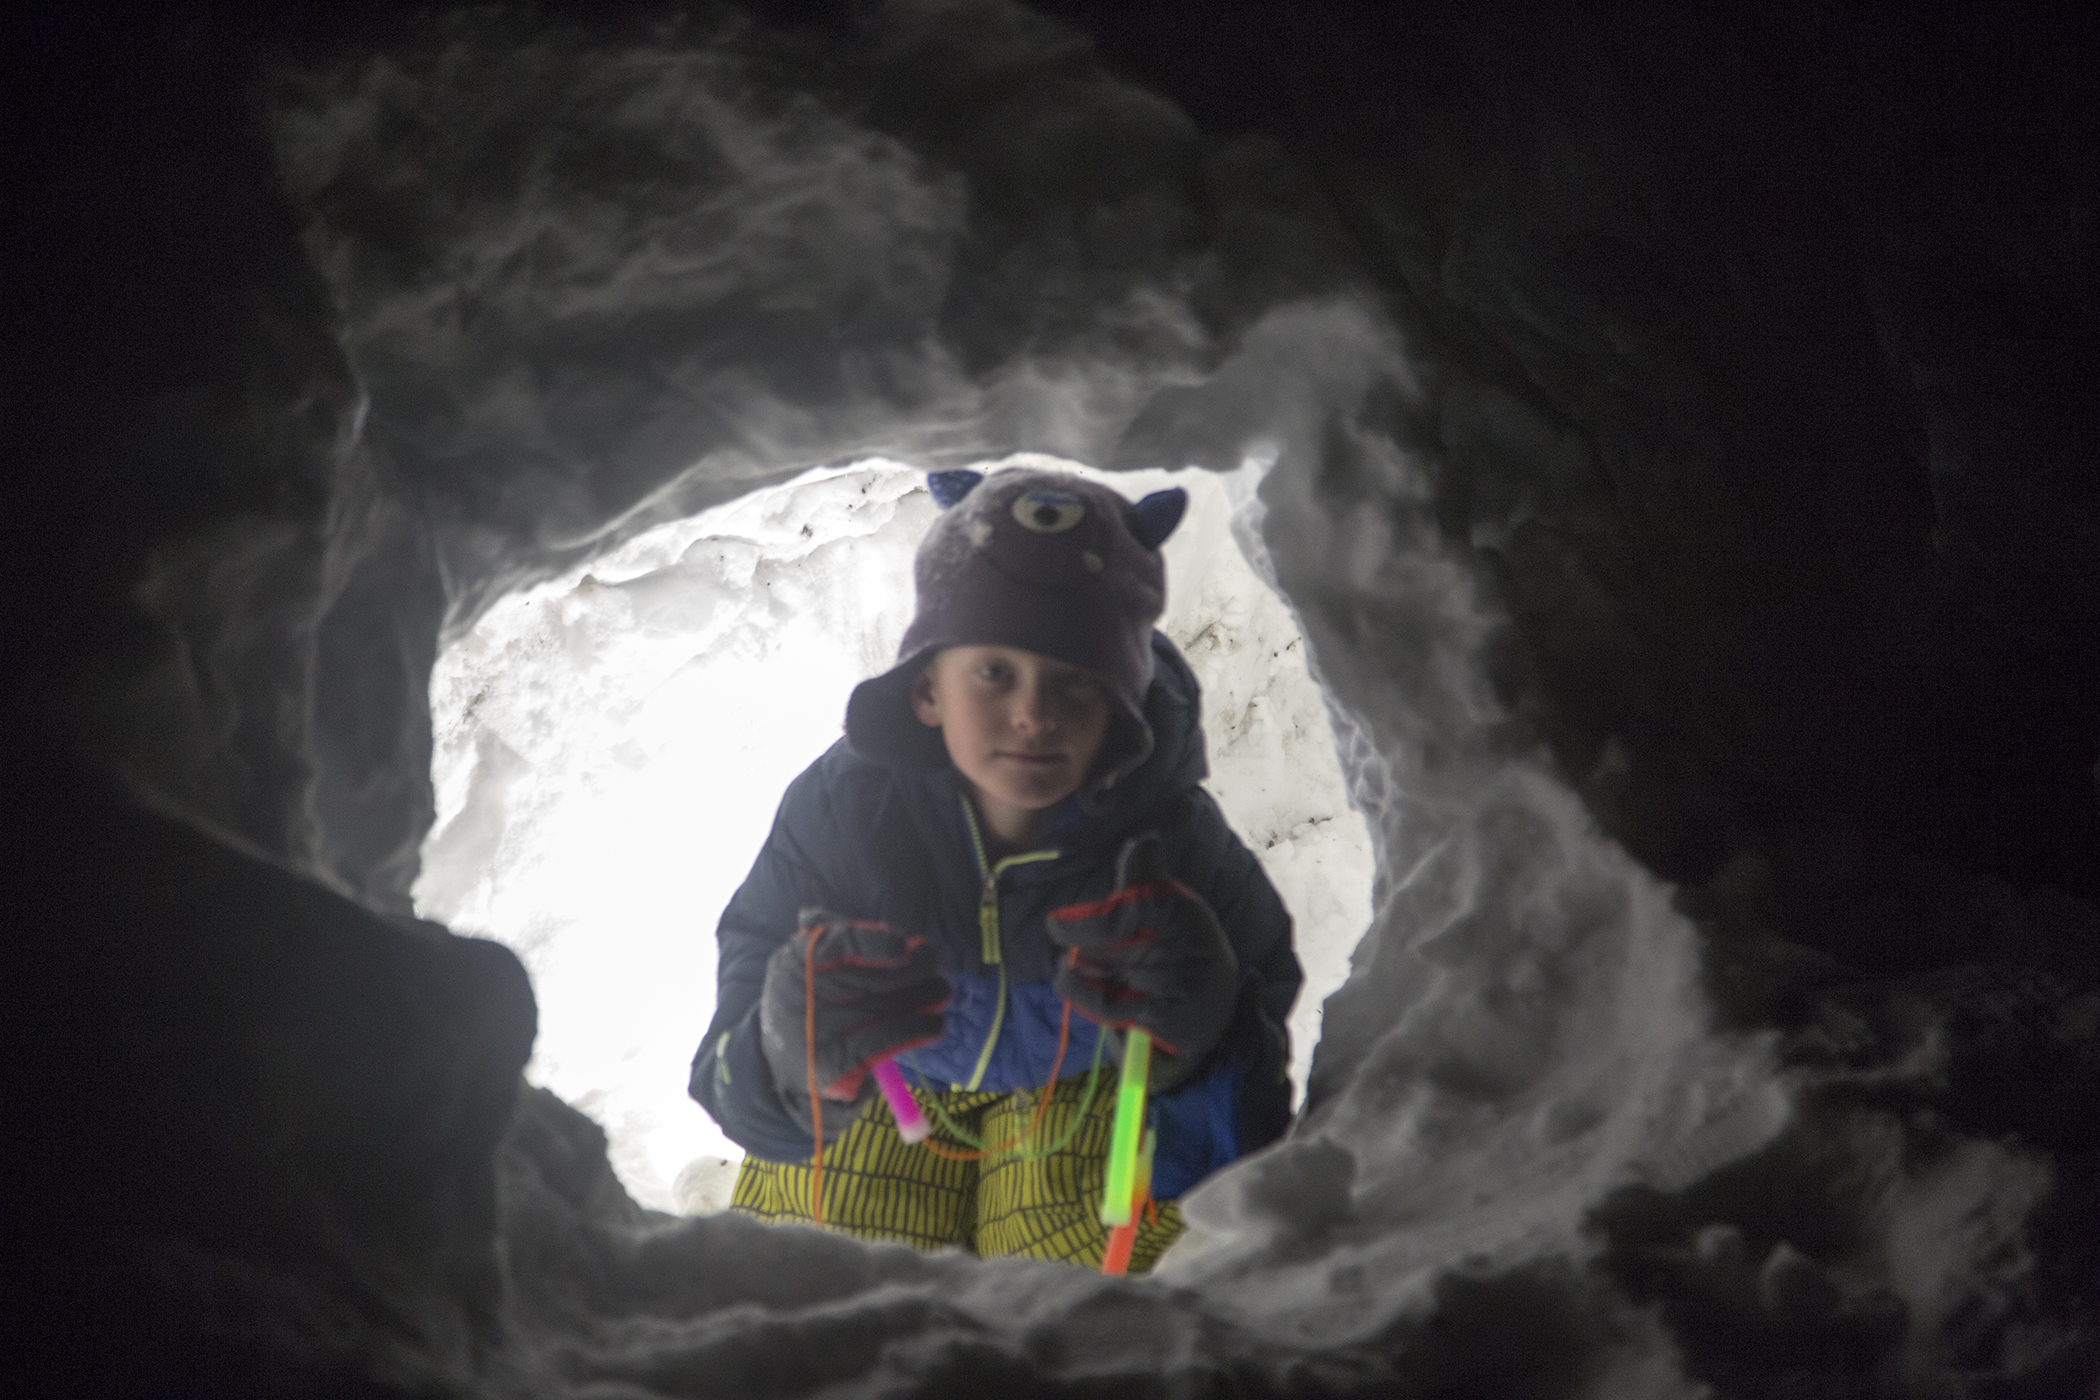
[{"x": 1178, "y": 760}]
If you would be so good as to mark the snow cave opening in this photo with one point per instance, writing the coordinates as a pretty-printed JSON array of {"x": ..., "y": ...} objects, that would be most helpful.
[{"x": 610, "y": 745}]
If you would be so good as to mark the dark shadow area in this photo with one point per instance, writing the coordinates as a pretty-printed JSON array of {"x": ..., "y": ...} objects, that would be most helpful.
[{"x": 1756, "y": 360}]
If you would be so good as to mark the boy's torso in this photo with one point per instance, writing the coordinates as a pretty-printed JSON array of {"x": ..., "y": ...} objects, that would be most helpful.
[
  {"x": 901, "y": 846},
  {"x": 927, "y": 870}
]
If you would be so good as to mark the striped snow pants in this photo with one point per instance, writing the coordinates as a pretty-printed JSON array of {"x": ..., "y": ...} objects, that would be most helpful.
[{"x": 1045, "y": 1206}]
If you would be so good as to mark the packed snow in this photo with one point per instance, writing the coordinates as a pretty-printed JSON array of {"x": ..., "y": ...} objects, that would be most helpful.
[
  {"x": 1518, "y": 1032},
  {"x": 611, "y": 745}
]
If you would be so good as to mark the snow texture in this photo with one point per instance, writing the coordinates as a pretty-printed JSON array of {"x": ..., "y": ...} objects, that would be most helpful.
[
  {"x": 1593, "y": 418},
  {"x": 610, "y": 747},
  {"x": 1521, "y": 1033}
]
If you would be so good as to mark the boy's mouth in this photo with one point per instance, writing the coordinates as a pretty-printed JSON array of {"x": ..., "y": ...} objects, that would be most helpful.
[{"x": 1036, "y": 759}]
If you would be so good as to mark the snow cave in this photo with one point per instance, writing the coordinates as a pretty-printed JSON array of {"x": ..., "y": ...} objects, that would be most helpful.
[{"x": 1643, "y": 565}]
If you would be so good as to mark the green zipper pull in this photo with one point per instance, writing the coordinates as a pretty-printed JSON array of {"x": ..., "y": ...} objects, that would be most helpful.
[
  {"x": 987, "y": 894},
  {"x": 988, "y": 931},
  {"x": 988, "y": 920}
]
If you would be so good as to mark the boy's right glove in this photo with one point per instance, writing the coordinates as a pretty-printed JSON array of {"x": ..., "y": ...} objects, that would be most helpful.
[
  {"x": 1151, "y": 956},
  {"x": 878, "y": 992}
]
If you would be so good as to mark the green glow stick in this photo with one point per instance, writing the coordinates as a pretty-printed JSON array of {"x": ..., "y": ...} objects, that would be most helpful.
[{"x": 1119, "y": 1198}]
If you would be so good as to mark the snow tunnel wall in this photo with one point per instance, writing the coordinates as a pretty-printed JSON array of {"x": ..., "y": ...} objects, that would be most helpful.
[{"x": 1737, "y": 380}]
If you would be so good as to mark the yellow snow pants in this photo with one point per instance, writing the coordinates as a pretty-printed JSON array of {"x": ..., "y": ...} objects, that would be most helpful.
[{"x": 879, "y": 1187}]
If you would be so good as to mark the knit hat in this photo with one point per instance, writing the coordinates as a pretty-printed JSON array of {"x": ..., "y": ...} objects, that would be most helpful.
[{"x": 1043, "y": 561}]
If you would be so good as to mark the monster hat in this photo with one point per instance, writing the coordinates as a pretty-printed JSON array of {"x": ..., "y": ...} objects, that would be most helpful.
[{"x": 1043, "y": 561}]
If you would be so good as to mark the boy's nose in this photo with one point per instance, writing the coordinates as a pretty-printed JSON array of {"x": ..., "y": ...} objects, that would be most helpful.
[{"x": 1030, "y": 714}]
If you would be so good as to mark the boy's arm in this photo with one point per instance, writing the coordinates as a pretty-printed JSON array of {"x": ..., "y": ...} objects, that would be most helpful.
[
  {"x": 1242, "y": 1098},
  {"x": 730, "y": 1075}
]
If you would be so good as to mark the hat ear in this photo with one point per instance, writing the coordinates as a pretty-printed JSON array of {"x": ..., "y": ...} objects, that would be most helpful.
[
  {"x": 1154, "y": 518},
  {"x": 950, "y": 487}
]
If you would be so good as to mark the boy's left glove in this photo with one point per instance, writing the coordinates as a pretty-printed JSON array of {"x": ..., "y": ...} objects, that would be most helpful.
[{"x": 1151, "y": 956}]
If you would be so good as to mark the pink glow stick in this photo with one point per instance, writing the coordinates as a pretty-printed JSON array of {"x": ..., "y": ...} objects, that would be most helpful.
[{"x": 911, "y": 1124}]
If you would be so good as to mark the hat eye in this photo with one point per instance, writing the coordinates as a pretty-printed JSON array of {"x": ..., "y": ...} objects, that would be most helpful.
[{"x": 1049, "y": 512}]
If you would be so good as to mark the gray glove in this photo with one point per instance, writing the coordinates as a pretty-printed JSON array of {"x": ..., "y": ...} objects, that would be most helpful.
[
  {"x": 1152, "y": 956},
  {"x": 878, "y": 992}
]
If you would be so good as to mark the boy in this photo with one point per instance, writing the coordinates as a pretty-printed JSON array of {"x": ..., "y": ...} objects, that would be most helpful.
[{"x": 1011, "y": 830}]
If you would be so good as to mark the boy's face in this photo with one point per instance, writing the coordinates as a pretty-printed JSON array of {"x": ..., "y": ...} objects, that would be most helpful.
[{"x": 1024, "y": 729}]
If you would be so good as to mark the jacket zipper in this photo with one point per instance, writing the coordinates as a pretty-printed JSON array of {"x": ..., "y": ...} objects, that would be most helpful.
[{"x": 988, "y": 930}]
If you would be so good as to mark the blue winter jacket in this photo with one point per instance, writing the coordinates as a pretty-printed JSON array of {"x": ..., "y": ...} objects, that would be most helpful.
[{"x": 898, "y": 843}]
